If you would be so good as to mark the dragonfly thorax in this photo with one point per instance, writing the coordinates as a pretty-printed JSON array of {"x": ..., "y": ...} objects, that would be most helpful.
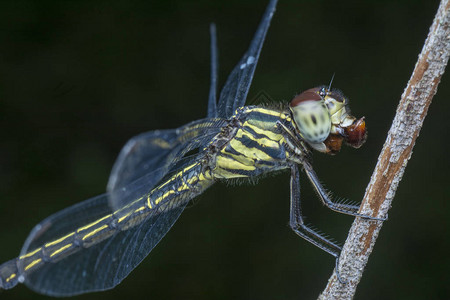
[{"x": 255, "y": 145}]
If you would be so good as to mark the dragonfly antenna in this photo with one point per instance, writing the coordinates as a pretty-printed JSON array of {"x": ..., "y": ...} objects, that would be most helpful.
[{"x": 331, "y": 81}]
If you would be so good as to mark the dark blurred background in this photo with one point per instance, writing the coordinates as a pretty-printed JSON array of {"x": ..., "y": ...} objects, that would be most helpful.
[{"x": 79, "y": 78}]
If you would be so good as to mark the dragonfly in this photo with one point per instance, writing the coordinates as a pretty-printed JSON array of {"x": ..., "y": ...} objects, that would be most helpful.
[{"x": 95, "y": 244}]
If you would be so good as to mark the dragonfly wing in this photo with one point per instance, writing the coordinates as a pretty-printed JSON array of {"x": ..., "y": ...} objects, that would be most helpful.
[
  {"x": 95, "y": 267},
  {"x": 105, "y": 263},
  {"x": 235, "y": 91},
  {"x": 212, "y": 101},
  {"x": 155, "y": 152}
]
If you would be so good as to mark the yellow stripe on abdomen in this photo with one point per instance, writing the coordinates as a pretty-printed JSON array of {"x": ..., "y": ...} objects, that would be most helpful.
[{"x": 122, "y": 219}]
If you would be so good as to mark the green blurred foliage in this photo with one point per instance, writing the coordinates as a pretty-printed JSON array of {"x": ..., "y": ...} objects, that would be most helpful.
[{"x": 79, "y": 78}]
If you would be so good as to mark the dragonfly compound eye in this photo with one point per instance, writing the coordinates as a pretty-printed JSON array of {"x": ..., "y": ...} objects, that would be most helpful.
[{"x": 311, "y": 116}]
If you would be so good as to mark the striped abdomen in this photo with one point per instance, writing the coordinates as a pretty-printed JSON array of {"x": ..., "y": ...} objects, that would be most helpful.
[{"x": 173, "y": 192}]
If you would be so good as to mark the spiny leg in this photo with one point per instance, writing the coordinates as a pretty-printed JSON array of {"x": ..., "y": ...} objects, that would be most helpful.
[
  {"x": 344, "y": 208},
  {"x": 298, "y": 226},
  {"x": 296, "y": 219}
]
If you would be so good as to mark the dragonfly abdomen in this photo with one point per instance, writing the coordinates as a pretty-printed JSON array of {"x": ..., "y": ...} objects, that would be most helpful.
[{"x": 173, "y": 192}]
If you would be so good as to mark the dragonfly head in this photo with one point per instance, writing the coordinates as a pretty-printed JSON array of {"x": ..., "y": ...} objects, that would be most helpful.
[{"x": 324, "y": 121}]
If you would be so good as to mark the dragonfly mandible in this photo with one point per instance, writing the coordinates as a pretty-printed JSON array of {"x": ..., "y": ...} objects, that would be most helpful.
[{"x": 94, "y": 245}]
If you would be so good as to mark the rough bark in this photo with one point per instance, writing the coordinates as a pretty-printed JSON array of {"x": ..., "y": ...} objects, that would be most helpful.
[{"x": 394, "y": 156}]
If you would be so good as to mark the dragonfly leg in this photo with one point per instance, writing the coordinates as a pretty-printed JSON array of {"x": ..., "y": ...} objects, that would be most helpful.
[
  {"x": 298, "y": 225},
  {"x": 324, "y": 196},
  {"x": 344, "y": 208}
]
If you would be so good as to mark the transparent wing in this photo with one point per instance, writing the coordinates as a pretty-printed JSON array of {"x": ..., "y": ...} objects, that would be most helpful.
[
  {"x": 102, "y": 265},
  {"x": 212, "y": 100},
  {"x": 155, "y": 150},
  {"x": 143, "y": 162},
  {"x": 235, "y": 91}
]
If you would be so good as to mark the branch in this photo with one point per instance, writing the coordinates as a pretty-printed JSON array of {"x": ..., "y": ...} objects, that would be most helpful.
[{"x": 394, "y": 156}]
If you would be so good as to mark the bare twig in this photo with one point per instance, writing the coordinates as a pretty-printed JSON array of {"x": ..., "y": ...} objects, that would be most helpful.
[{"x": 394, "y": 157}]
